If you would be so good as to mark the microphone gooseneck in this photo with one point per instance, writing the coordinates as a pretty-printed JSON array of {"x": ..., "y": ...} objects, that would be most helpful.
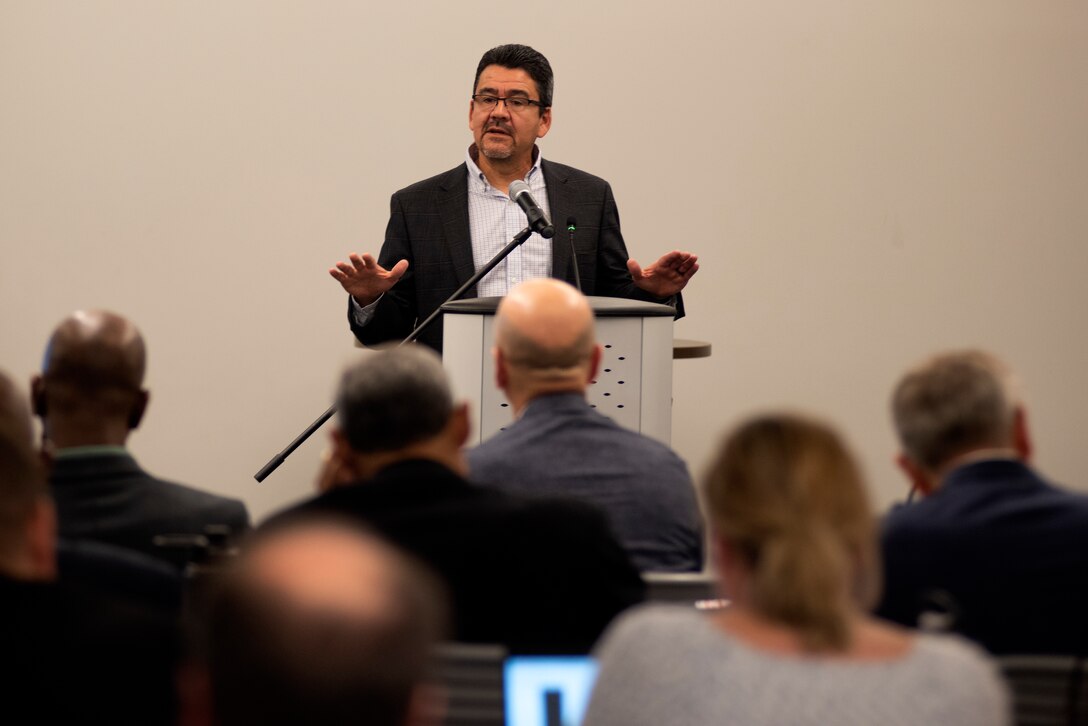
[{"x": 571, "y": 227}]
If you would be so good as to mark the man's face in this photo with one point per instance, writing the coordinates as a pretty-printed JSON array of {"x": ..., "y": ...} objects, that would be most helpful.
[{"x": 500, "y": 133}]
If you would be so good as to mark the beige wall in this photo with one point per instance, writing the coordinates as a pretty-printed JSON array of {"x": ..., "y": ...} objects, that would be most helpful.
[{"x": 864, "y": 183}]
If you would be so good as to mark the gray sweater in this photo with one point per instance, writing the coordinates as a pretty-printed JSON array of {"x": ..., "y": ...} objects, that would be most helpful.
[{"x": 671, "y": 666}]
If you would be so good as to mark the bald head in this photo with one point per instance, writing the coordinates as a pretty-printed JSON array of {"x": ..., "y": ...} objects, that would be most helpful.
[
  {"x": 544, "y": 338},
  {"x": 91, "y": 378},
  {"x": 326, "y": 568},
  {"x": 318, "y": 622}
]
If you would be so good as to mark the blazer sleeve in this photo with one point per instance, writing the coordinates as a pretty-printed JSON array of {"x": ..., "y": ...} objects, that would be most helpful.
[{"x": 396, "y": 313}]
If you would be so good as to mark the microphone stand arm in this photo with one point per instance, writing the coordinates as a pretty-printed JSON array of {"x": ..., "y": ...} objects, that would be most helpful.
[{"x": 516, "y": 242}]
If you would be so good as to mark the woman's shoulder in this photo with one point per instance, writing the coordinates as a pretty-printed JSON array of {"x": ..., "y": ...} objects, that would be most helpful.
[
  {"x": 953, "y": 659},
  {"x": 649, "y": 618}
]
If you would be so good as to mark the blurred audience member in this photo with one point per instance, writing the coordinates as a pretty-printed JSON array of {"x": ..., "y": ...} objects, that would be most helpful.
[
  {"x": 70, "y": 656},
  {"x": 535, "y": 575},
  {"x": 546, "y": 354},
  {"x": 993, "y": 550},
  {"x": 795, "y": 550},
  {"x": 90, "y": 397},
  {"x": 318, "y": 623}
]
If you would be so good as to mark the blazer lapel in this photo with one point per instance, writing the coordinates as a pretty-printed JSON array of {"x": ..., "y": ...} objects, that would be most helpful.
[
  {"x": 453, "y": 210},
  {"x": 562, "y": 203}
]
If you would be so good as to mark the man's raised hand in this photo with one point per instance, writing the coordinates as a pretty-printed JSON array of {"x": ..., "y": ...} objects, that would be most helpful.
[
  {"x": 667, "y": 276},
  {"x": 364, "y": 279}
]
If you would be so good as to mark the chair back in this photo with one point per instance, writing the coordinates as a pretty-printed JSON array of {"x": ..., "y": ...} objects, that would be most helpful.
[
  {"x": 473, "y": 677},
  {"x": 698, "y": 589},
  {"x": 1047, "y": 690}
]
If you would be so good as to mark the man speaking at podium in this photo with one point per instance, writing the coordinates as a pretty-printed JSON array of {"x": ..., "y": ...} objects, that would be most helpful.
[{"x": 443, "y": 229}]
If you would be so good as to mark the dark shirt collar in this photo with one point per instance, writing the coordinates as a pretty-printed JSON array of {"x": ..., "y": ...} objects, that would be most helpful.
[{"x": 987, "y": 471}]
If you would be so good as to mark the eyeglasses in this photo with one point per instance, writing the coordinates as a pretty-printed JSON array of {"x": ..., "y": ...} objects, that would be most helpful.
[{"x": 517, "y": 104}]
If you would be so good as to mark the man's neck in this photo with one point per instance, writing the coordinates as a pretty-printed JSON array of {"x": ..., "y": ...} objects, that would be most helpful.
[
  {"x": 520, "y": 400},
  {"x": 500, "y": 173},
  {"x": 63, "y": 435},
  {"x": 971, "y": 457},
  {"x": 366, "y": 466}
]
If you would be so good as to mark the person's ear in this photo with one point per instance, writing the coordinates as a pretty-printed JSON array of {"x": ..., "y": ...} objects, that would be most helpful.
[
  {"x": 545, "y": 123},
  {"x": 41, "y": 532},
  {"x": 337, "y": 463},
  {"x": 427, "y": 705},
  {"x": 139, "y": 406},
  {"x": 502, "y": 375},
  {"x": 37, "y": 396},
  {"x": 1021, "y": 434},
  {"x": 920, "y": 479},
  {"x": 595, "y": 362},
  {"x": 459, "y": 424}
]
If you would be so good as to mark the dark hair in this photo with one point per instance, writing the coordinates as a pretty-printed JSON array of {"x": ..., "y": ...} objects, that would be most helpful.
[
  {"x": 393, "y": 399},
  {"x": 523, "y": 57}
]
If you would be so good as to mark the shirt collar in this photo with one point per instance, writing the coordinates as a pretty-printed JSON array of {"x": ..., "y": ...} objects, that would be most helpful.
[
  {"x": 479, "y": 181},
  {"x": 82, "y": 451}
]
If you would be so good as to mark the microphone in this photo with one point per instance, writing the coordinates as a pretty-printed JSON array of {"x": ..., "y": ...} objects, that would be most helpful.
[
  {"x": 538, "y": 221},
  {"x": 571, "y": 226}
]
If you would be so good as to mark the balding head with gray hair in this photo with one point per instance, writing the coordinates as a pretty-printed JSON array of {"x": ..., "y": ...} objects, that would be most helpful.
[
  {"x": 393, "y": 399},
  {"x": 545, "y": 341},
  {"x": 953, "y": 404}
]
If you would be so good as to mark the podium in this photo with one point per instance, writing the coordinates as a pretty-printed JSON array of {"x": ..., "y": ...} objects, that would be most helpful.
[{"x": 633, "y": 386}]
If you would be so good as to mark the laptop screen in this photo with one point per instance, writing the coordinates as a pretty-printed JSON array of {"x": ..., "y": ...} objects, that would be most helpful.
[{"x": 548, "y": 690}]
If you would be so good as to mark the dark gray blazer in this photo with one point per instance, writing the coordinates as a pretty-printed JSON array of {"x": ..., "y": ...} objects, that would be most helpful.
[
  {"x": 560, "y": 446},
  {"x": 429, "y": 227},
  {"x": 109, "y": 498}
]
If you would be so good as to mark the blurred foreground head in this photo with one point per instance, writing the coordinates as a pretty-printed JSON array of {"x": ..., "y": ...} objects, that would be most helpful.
[
  {"x": 793, "y": 526},
  {"x": 320, "y": 623},
  {"x": 27, "y": 520}
]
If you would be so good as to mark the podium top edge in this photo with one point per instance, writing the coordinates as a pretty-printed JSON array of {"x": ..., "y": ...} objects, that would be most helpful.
[{"x": 603, "y": 307}]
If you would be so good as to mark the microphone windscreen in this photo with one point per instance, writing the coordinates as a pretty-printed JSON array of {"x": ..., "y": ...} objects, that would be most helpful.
[
  {"x": 571, "y": 224},
  {"x": 517, "y": 187}
]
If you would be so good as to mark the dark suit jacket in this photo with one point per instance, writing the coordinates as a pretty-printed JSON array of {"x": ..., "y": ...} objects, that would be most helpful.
[
  {"x": 74, "y": 657},
  {"x": 109, "y": 498},
  {"x": 560, "y": 446},
  {"x": 429, "y": 227},
  {"x": 538, "y": 576},
  {"x": 1003, "y": 549}
]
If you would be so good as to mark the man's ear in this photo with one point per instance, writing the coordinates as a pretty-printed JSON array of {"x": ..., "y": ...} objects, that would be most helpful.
[
  {"x": 595, "y": 362},
  {"x": 545, "y": 123},
  {"x": 920, "y": 479},
  {"x": 37, "y": 396},
  {"x": 337, "y": 464},
  {"x": 502, "y": 375},
  {"x": 459, "y": 424},
  {"x": 427, "y": 705},
  {"x": 139, "y": 406},
  {"x": 1021, "y": 434},
  {"x": 41, "y": 530}
]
